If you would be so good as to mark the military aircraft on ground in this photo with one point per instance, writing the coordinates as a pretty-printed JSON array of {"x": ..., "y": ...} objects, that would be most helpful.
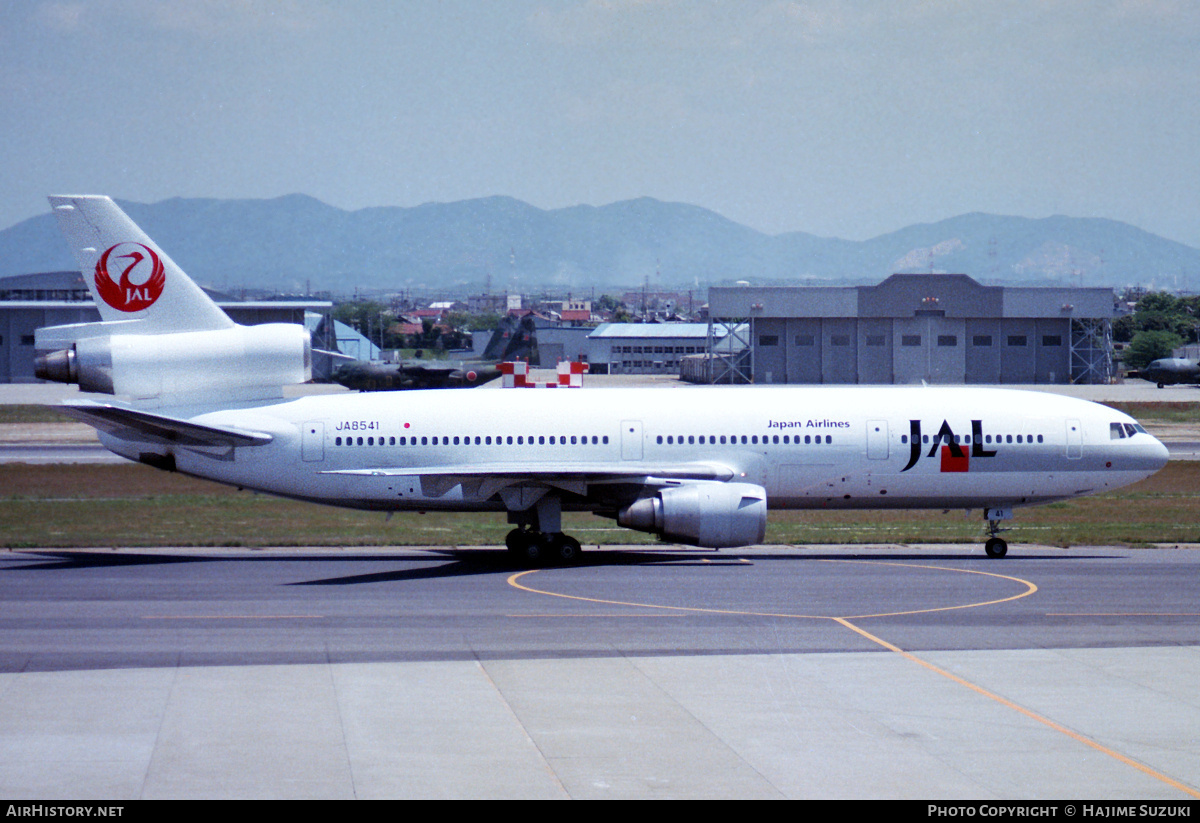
[
  {"x": 513, "y": 339},
  {"x": 1170, "y": 371}
]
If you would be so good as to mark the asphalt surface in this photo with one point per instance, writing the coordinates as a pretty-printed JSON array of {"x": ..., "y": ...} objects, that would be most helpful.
[{"x": 927, "y": 672}]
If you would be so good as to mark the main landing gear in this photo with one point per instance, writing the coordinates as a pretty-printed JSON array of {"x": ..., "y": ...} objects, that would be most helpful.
[
  {"x": 538, "y": 539},
  {"x": 535, "y": 548},
  {"x": 996, "y": 546}
]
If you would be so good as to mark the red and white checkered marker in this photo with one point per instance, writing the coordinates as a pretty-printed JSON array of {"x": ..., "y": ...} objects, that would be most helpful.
[{"x": 516, "y": 376}]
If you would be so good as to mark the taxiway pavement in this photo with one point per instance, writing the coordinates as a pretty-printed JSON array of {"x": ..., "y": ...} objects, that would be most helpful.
[{"x": 890, "y": 671}]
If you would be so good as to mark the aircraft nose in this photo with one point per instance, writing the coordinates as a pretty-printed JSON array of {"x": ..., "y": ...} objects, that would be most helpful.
[{"x": 1152, "y": 455}]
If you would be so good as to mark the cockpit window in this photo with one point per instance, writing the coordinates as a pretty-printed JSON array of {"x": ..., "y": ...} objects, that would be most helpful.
[
  {"x": 1116, "y": 431},
  {"x": 1130, "y": 431}
]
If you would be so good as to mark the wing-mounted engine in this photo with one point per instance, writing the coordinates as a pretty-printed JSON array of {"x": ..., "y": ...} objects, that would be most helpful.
[
  {"x": 712, "y": 515},
  {"x": 239, "y": 362}
]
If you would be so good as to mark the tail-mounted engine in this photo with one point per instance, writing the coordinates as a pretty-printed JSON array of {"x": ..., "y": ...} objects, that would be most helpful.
[
  {"x": 712, "y": 515},
  {"x": 237, "y": 361}
]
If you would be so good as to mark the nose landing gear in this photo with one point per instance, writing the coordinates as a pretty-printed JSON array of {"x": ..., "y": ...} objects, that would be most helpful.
[{"x": 996, "y": 546}]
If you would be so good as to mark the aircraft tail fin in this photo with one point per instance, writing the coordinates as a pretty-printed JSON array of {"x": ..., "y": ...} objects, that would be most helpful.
[
  {"x": 129, "y": 276},
  {"x": 523, "y": 343},
  {"x": 161, "y": 340}
]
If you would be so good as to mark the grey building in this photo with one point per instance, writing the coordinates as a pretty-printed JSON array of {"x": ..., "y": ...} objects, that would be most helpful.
[
  {"x": 938, "y": 328},
  {"x": 33, "y": 301},
  {"x": 644, "y": 348}
]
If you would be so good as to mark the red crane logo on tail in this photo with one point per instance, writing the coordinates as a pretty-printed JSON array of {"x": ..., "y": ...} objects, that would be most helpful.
[{"x": 141, "y": 281}]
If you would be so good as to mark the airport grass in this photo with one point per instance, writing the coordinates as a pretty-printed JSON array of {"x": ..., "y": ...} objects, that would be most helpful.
[
  {"x": 77, "y": 506},
  {"x": 21, "y": 413},
  {"x": 1160, "y": 412}
]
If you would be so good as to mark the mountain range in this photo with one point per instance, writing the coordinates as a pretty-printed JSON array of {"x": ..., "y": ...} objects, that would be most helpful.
[{"x": 298, "y": 244}]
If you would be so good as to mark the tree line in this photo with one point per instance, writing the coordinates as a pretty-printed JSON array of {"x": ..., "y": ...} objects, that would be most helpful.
[{"x": 1160, "y": 322}]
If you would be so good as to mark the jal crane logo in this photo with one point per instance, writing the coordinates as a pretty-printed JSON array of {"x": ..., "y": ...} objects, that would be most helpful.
[{"x": 140, "y": 282}]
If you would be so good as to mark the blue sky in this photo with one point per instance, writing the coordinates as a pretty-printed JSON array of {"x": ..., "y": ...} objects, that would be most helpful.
[{"x": 836, "y": 118}]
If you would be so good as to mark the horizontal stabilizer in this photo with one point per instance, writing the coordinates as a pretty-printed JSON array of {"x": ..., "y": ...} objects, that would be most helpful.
[{"x": 132, "y": 424}]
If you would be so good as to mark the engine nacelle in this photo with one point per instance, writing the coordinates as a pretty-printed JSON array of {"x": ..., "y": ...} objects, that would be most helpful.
[
  {"x": 222, "y": 362},
  {"x": 712, "y": 515}
]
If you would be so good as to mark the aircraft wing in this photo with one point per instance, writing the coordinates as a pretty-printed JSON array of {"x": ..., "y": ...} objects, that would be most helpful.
[
  {"x": 133, "y": 424},
  {"x": 482, "y": 480}
]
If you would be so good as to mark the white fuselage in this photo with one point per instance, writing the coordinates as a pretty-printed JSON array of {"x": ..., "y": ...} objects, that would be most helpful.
[{"x": 812, "y": 447}]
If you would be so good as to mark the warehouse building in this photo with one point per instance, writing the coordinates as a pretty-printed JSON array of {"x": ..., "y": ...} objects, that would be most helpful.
[
  {"x": 936, "y": 328},
  {"x": 645, "y": 348}
]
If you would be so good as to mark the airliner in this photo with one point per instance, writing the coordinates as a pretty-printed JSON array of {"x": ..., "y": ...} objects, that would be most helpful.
[{"x": 195, "y": 393}]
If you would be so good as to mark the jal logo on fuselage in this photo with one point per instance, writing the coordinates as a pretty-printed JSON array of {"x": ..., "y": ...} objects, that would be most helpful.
[
  {"x": 141, "y": 277},
  {"x": 955, "y": 456}
]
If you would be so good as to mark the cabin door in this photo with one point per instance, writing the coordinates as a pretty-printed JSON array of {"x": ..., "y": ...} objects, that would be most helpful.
[
  {"x": 631, "y": 439},
  {"x": 312, "y": 441},
  {"x": 877, "y": 439},
  {"x": 1074, "y": 440}
]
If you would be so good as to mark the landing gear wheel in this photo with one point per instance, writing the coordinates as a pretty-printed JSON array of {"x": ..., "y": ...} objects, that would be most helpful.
[
  {"x": 526, "y": 546},
  {"x": 533, "y": 552},
  {"x": 515, "y": 540},
  {"x": 567, "y": 549},
  {"x": 995, "y": 547}
]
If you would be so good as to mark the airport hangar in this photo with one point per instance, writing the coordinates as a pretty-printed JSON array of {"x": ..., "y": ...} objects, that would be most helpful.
[
  {"x": 31, "y": 301},
  {"x": 936, "y": 328}
]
